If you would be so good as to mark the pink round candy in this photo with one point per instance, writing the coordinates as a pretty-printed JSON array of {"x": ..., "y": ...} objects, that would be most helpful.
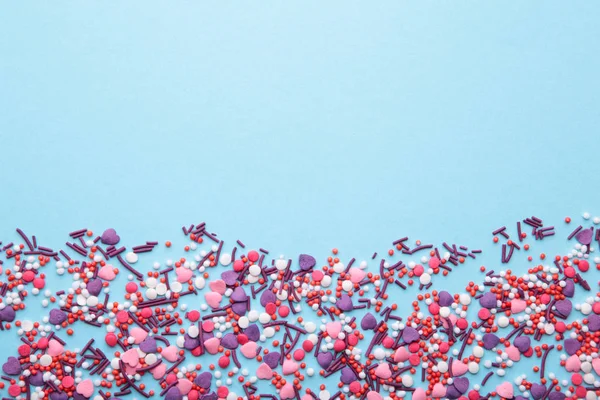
[
  {"x": 253, "y": 255},
  {"x": 131, "y": 287},
  {"x": 39, "y": 283}
]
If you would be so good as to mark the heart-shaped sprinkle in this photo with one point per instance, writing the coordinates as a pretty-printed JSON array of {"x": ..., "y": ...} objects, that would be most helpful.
[
  {"x": 169, "y": 353},
  {"x": 213, "y": 299},
  {"x": 110, "y": 237},
  {"x": 138, "y": 334},
  {"x": 287, "y": 392},
  {"x": 264, "y": 372},
  {"x": 107, "y": 273},
  {"x": 289, "y": 367},
  {"x": 184, "y": 386},
  {"x": 183, "y": 274},
  {"x": 55, "y": 348},
  {"x": 218, "y": 286},
  {"x": 85, "y": 388},
  {"x": 212, "y": 345},
  {"x": 505, "y": 389},
  {"x": 249, "y": 349},
  {"x": 131, "y": 357},
  {"x": 159, "y": 371}
]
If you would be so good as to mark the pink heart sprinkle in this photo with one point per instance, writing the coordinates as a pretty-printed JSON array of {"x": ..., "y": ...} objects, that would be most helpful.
[
  {"x": 573, "y": 364},
  {"x": 131, "y": 357},
  {"x": 505, "y": 389},
  {"x": 401, "y": 354},
  {"x": 289, "y": 367},
  {"x": 212, "y": 345},
  {"x": 513, "y": 353},
  {"x": 213, "y": 299},
  {"x": 383, "y": 371},
  {"x": 159, "y": 371},
  {"x": 85, "y": 388},
  {"x": 517, "y": 306},
  {"x": 184, "y": 386},
  {"x": 439, "y": 390},
  {"x": 287, "y": 392},
  {"x": 458, "y": 368},
  {"x": 596, "y": 365},
  {"x": 138, "y": 334},
  {"x": 373, "y": 395},
  {"x": 218, "y": 286},
  {"x": 419, "y": 394},
  {"x": 249, "y": 349},
  {"x": 55, "y": 348},
  {"x": 183, "y": 274},
  {"x": 334, "y": 329},
  {"x": 264, "y": 372},
  {"x": 356, "y": 274},
  {"x": 107, "y": 273},
  {"x": 170, "y": 353}
]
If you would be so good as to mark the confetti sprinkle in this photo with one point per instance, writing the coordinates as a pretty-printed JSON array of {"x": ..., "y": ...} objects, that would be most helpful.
[{"x": 229, "y": 322}]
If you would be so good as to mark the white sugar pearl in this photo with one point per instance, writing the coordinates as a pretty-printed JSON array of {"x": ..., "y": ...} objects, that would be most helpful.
[
  {"x": 45, "y": 360},
  {"x": 264, "y": 318},
  {"x": 243, "y": 322},
  {"x": 176, "y": 287},
  {"x": 473, "y": 367},
  {"x": 225, "y": 259},
  {"x": 27, "y": 325},
  {"x": 131, "y": 257},
  {"x": 425, "y": 279},
  {"x": 193, "y": 331},
  {"x": 347, "y": 285},
  {"x": 478, "y": 351},
  {"x": 200, "y": 283},
  {"x": 151, "y": 294}
]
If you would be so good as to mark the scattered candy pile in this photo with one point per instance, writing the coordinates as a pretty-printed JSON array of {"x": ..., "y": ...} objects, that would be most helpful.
[{"x": 229, "y": 322}]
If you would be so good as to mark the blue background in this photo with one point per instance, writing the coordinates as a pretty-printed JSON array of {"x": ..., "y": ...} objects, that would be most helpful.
[{"x": 298, "y": 126}]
